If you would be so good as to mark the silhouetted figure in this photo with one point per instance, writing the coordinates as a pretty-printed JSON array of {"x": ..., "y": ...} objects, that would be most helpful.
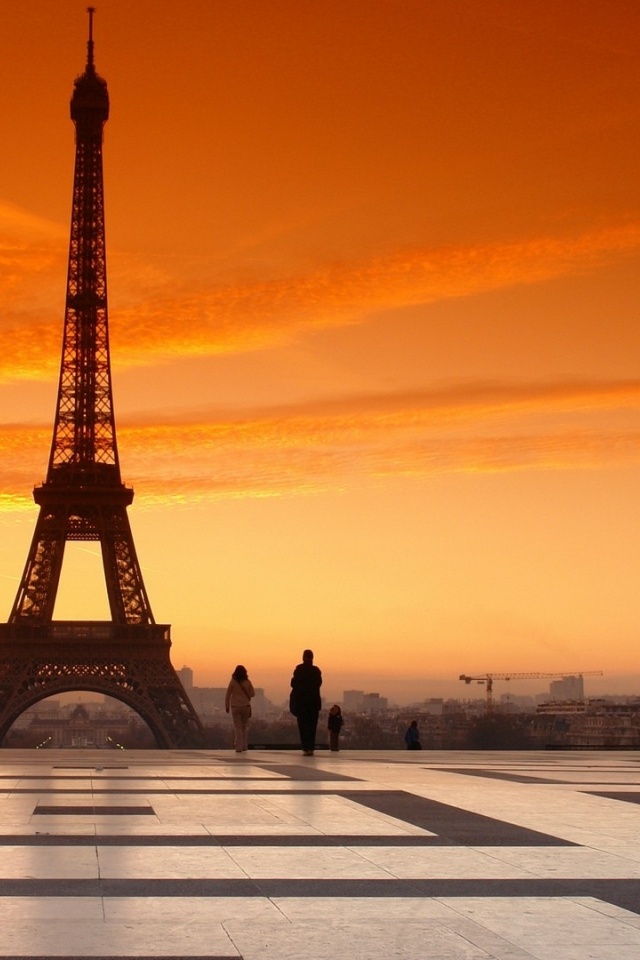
[
  {"x": 334, "y": 723},
  {"x": 412, "y": 736},
  {"x": 238, "y": 699},
  {"x": 305, "y": 702}
]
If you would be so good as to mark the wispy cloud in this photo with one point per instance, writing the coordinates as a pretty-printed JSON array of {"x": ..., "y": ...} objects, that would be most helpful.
[
  {"x": 221, "y": 318},
  {"x": 157, "y": 315},
  {"x": 32, "y": 262},
  {"x": 327, "y": 446}
]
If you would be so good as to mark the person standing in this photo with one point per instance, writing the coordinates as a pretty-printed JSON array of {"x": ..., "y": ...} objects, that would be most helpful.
[
  {"x": 412, "y": 736},
  {"x": 334, "y": 723},
  {"x": 238, "y": 700},
  {"x": 305, "y": 702}
]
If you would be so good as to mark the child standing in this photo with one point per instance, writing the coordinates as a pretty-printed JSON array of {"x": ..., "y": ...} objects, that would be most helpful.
[{"x": 335, "y": 725}]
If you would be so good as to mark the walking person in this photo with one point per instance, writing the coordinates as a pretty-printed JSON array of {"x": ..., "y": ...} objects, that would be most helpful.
[
  {"x": 305, "y": 702},
  {"x": 334, "y": 723},
  {"x": 238, "y": 701}
]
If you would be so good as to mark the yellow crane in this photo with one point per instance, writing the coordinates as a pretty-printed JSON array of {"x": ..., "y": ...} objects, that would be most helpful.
[{"x": 488, "y": 678}]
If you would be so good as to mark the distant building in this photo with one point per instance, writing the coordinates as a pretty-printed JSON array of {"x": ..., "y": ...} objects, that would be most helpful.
[
  {"x": 50, "y": 708},
  {"x": 561, "y": 707},
  {"x": 569, "y": 688},
  {"x": 259, "y": 704},
  {"x": 352, "y": 700},
  {"x": 596, "y": 725},
  {"x": 80, "y": 726},
  {"x": 518, "y": 704},
  {"x": 186, "y": 677},
  {"x": 208, "y": 701},
  {"x": 434, "y": 706},
  {"x": 374, "y": 703}
]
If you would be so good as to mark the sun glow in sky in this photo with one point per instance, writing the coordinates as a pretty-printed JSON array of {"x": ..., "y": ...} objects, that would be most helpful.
[{"x": 374, "y": 299}]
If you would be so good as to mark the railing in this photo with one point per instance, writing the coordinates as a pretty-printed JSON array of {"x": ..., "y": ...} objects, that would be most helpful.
[{"x": 86, "y": 630}]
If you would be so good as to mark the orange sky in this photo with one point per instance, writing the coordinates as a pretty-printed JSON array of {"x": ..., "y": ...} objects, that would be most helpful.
[{"x": 374, "y": 298}]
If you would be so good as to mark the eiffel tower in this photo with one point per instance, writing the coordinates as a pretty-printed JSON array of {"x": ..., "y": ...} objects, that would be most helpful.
[{"x": 84, "y": 498}]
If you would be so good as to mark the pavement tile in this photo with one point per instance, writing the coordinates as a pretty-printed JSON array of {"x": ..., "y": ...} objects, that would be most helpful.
[{"x": 452, "y": 855}]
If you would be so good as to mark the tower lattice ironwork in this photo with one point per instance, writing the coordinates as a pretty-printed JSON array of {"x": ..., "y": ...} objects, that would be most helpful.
[{"x": 84, "y": 498}]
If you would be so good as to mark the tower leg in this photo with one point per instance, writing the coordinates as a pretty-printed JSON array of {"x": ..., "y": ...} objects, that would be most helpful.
[
  {"x": 128, "y": 599},
  {"x": 36, "y": 594}
]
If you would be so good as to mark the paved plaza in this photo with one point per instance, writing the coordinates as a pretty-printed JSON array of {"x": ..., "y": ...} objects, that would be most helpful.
[{"x": 270, "y": 855}]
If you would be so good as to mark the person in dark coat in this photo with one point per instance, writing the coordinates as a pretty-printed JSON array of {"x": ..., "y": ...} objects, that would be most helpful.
[
  {"x": 412, "y": 736},
  {"x": 305, "y": 702}
]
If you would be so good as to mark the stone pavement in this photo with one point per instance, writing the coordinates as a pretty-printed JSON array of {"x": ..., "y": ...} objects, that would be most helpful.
[{"x": 270, "y": 855}]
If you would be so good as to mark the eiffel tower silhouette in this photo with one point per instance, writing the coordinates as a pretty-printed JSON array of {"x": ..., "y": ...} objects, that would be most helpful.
[{"x": 84, "y": 498}]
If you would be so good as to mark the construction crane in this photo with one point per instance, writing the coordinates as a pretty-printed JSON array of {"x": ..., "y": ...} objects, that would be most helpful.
[{"x": 488, "y": 678}]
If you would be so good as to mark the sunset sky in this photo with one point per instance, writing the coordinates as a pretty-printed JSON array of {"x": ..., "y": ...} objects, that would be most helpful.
[{"x": 374, "y": 300}]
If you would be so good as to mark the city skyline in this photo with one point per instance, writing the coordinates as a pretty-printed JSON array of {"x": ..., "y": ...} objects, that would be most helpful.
[
  {"x": 373, "y": 322},
  {"x": 567, "y": 687},
  {"x": 563, "y": 690}
]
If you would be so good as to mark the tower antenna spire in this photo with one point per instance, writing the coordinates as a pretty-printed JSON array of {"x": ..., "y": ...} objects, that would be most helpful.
[{"x": 90, "y": 65}]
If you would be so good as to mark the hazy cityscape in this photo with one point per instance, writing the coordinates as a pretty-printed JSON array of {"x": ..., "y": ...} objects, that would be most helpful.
[{"x": 562, "y": 717}]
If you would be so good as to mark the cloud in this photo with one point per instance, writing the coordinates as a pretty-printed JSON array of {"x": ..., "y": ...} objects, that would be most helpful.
[
  {"x": 224, "y": 318},
  {"x": 310, "y": 448},
  {"x": 162, "y": 313},
  {"x": 32, "y": 263}
]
